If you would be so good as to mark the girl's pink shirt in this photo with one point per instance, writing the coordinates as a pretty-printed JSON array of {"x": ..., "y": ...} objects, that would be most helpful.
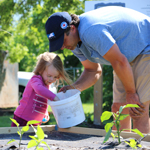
[{"x": 33, "y": 105}]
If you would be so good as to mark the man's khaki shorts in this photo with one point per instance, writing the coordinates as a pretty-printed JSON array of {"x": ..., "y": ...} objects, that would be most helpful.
[{"x": 141, "y": 71}]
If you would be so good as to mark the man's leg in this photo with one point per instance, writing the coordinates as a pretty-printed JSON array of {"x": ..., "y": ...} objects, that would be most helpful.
[
  {"x": 126, "y": 123},
  {"x": 119, "y": 99},
  {"x": 142, "y": 123},
  {"x": 141, "y": 72}
]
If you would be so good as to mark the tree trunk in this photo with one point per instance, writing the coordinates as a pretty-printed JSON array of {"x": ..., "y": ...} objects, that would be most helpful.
[
  {"x": 8, "y": 82},
  {"x": 2, "y": 69}
]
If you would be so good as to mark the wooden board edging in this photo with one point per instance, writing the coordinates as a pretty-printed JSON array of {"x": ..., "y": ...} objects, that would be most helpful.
[
  {"x": 101, "y": 132},
  {"x": 77, "y": 130},
  {"x": 11, "y": 130}
]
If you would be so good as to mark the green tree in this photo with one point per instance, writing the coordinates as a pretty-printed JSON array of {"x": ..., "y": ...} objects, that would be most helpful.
[
  {"x": 22, "y": 34},
  {"x": 25, "y": 38}
]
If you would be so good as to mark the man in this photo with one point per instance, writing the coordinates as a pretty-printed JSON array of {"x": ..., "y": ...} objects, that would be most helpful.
[{"x": 114, "y": 36}]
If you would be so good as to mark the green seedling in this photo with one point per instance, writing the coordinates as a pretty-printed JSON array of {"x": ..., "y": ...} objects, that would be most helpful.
[
  {"x": 133, "y": 144},
  {"x": 37, "y": 139},
  {"x": 117, "y": 118},
  {"x": 22, "y": 130}
]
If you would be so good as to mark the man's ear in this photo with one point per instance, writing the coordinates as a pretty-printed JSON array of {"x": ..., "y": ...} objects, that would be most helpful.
[{"x": 72, "y": 27}]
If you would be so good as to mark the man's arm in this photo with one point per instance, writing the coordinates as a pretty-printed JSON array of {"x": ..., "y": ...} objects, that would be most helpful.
[
  {"x": 123, "y": 70},
  {"x": 90, "y": 75}
]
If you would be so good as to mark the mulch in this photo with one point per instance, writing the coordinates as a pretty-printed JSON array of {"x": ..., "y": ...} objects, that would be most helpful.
[{"x": 67, "y": 141}]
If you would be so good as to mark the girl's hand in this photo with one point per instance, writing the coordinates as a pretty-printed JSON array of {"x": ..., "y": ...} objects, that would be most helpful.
[
  {"x": 56, "y": 99},
  {"x": 46, "y": 119}
]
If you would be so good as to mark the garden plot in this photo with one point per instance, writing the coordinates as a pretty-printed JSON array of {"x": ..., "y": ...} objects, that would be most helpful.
[{"x": 74, "y": 138}]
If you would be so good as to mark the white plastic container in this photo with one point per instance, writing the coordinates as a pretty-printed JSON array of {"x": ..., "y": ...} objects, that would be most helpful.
[{"x": 68, "y": 111}]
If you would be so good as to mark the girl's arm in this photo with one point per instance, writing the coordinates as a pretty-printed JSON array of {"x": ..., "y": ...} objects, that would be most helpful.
[
  {"x": 38, "y": 86},
  {"x": 46, "y": 117}
]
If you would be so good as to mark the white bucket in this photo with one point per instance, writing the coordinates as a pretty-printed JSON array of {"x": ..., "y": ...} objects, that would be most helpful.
[{"x": 68, "y": 111}]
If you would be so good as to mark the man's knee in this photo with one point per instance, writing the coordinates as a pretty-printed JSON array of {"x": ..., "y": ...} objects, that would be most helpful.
[
  {"x": 115, "y": 107},
  {"x": 145, "y": 112}
]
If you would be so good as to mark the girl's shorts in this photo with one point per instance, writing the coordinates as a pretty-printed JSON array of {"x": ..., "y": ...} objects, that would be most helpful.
[
  {"x": 21, "y": 121},
  {"x": 141, "y": 71}
]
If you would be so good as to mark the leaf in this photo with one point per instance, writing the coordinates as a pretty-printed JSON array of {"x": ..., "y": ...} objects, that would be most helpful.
[
  {"x": 114, "y": 116},
  {"x": 139, "y": 145},
  {"x": 18, "y": 133},
  {"x": 25, "y": 128},
  {"x": 123, "y": 116},
  {"x": 12, "y": 140},
  {"x": 32, "y": 143},
  {"x": 133, "y": 143},
  {"x": 113, "y": 135},
  {"x": 32, "y": 122},
  {"x": 40, "y": 133},
  {"x": 45, "y": 144},
  {"x": 138, "y": 132},
  {"x": 15, "y": 122},
  {"x": 127, "y": 143},
  {"x": 130, "y": 105},
  {"x": 22, "y": 132},
  {"x": 34, "y": 138},
  {"x": 33, "y": 128},
  {"x": 106, "y": 115},
  {"x": 107, "y": 135},
  {"x": 120, "y": 109},
  {"x": 108, "y": 126}
]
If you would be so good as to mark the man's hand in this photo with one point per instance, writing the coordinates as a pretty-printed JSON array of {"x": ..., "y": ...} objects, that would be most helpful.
[
  {"x": 135, "y": 113},
  {"x": 65, "y": 88},
  {"x": 90, "y": 75}
]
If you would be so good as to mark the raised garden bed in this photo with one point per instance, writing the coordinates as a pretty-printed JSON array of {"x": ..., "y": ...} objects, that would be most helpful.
[{"x": 74, "y": 138}]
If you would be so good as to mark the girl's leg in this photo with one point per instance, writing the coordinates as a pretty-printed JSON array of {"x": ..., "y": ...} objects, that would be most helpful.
[{"x": 21, "y": 121}]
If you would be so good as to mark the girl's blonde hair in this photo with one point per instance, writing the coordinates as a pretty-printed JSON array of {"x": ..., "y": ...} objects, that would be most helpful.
[{"x": 46, "y": 59}]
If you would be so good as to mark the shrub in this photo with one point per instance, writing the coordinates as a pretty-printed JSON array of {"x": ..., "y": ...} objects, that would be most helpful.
[{"x": 87, "y": 95}]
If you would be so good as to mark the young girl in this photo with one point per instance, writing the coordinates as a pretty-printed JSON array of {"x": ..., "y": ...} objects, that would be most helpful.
[{"x": 33, "y": 105}]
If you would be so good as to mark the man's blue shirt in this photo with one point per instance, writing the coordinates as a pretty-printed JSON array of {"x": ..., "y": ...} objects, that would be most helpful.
[{"x": 101, "y": 28}]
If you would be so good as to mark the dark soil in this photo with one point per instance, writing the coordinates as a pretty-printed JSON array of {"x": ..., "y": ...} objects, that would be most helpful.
[{"x": 66, "y": 141}]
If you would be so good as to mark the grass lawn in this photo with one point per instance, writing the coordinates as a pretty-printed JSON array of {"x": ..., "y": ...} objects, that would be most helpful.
[{"x": 6, "y": 122}]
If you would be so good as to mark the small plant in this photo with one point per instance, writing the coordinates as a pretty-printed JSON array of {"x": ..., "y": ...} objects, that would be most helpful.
[
  {"x": 22, "y": 130},
  {"x": 37, "y": 139},
  {"x": 117, "y": 118},
  {"x": 133, "y": 144}
]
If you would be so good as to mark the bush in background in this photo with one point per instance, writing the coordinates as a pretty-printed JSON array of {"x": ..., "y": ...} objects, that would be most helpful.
[
  {"x": 107, "y": 87},
  {"x": 88, "y": 94}
]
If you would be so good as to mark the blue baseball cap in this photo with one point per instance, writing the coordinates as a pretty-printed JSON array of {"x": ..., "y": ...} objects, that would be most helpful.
[{"x": 55, "y": 27}]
